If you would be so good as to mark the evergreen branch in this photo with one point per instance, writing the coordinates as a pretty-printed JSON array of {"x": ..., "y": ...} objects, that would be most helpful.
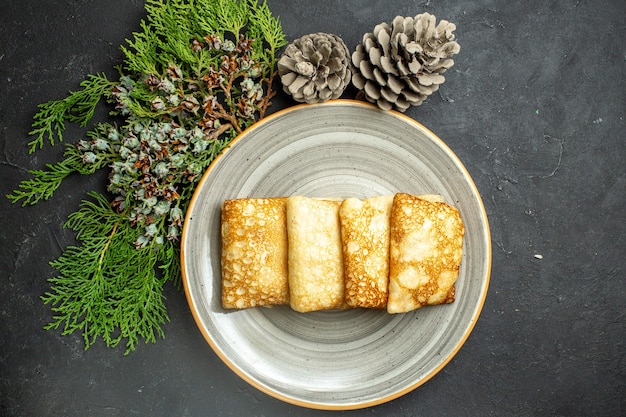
[
  {"x": 221, "y": 16},
  {"x": 266, "y": 28},
  {"x": 142, "y": 53},
  {"x": 106, "y": 287},
  {"x": 170, "y": 268},
  {"x": 165, "y": 37},
  {"x": 78, "y": 107},
  {"x": 163, "y": 17},
  {"x": 195, "y": 75},
  {"x": 176, "y": 32},
  {"x": 231, "y": 16},
  {"x": 45, "y": 182}
]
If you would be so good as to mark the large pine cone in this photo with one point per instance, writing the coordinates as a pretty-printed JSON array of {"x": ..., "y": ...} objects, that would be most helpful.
[
  {"x": 401, "y": 65},
  {"x": 315, "y": 68}
]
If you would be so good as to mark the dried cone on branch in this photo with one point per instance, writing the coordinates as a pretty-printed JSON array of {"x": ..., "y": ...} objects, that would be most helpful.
[
  {"x": 315, "y": 68},
  {"x": 399, "y": 66}
]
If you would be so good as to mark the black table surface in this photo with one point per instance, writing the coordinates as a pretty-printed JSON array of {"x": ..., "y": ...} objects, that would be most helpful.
[{"x": 534, "y": 107}]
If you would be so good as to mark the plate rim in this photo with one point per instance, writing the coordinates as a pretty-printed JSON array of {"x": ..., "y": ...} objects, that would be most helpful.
[{"x": 329, "y": 406}]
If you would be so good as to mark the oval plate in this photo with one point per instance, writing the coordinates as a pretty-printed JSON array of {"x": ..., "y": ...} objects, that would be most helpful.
[{"x": 334, "y": 359}]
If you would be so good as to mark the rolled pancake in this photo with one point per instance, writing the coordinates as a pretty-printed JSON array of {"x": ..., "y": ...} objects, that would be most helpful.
[
  {"x": 315, "y": 258},
  {"x": 254, "y": 253},
  {"x": 365, "y": 239},
  {"x": 426, "y": 246}
]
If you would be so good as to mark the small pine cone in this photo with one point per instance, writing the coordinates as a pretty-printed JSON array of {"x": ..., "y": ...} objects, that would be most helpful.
[
  {"x": 401, "y": 65},
  {"x": 315, "y": 68}
]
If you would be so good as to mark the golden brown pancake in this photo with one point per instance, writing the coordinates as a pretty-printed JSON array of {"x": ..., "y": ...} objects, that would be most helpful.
[
  {"x": 365, "y": 241},
  {"x": 426, "y": 246},
  {"x": 254, "y": 253}
]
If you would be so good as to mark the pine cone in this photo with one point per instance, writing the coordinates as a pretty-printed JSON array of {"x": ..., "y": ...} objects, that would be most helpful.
[
  {"x": 401, "y": 65},
  {"x": 315, "y": 68}
]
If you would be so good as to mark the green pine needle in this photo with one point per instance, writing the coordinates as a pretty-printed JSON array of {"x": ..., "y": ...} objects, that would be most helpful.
[
  {"x": 45, "y": 182},
  {"x": 106, "y": 287},
  {"x": 265, "y": 27},
  {"x": 78, "y": 107}
]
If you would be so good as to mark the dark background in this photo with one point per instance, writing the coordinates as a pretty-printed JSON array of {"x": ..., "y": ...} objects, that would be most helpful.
[{"x": 534, "y": 107}]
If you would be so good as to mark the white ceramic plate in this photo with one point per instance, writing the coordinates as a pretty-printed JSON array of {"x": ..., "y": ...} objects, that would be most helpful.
[{"x": 334, "y": 359}]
